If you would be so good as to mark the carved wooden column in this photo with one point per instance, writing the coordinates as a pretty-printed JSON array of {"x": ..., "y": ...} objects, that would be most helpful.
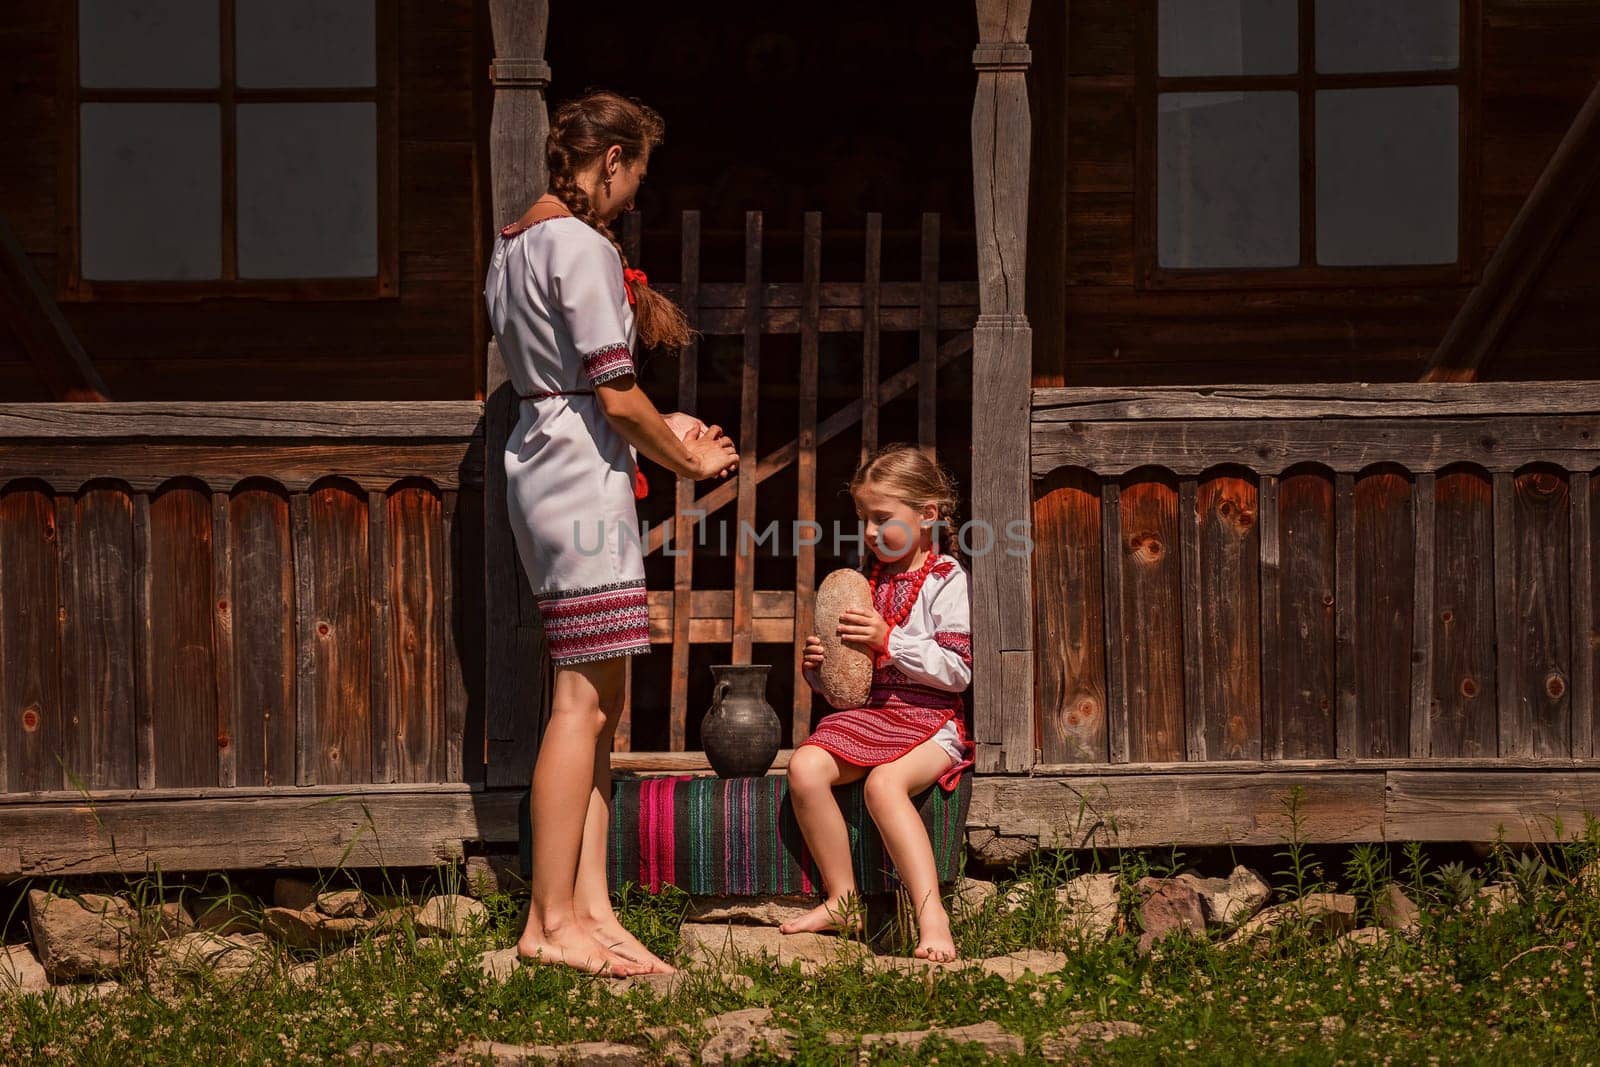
[
  {"x": 1002, "y": 374},
  {"x": 513, "y": 638}
]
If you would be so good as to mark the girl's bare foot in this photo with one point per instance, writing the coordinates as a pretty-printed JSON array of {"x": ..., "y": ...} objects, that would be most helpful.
[
  {"x": 832, "y": 914},
  {"x": 613, "y": 936},
  {"x": 575, "y": 948},
  {"x": 934, "y": 941}
]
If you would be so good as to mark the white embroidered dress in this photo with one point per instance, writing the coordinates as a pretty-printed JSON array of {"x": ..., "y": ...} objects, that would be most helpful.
[{"x": 561, "y": 316}]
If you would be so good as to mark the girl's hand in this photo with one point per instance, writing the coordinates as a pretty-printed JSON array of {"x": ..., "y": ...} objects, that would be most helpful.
[
  {"x": 866, "y": 629},
  {"x": 682, "y": 425},
  {"x": 712, "y": 452},
  {"x": 811, "y": 657}
]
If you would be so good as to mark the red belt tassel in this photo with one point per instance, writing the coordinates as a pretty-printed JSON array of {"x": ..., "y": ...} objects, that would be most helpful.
[{"x": 641, "y": 485}]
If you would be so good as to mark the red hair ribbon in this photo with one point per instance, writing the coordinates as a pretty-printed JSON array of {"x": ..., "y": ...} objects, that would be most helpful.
[{"x": 629, "y": 277}]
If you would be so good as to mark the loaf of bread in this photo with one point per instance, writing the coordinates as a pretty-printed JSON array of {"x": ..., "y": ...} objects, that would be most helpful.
[{"x": 846, "y": 672}]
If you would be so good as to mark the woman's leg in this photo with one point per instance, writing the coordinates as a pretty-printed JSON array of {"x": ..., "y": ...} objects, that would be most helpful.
[
  {"x": 889, "y": 790},
  {"x": 562, "y": 782},
  {"x": 813, "y": 772},
  {"x": 592, "y": 896}
]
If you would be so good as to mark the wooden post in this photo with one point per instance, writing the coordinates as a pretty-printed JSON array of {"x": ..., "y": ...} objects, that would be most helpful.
[
  {"x": 513, "y": 639},
  {"x": 1002, "y": 360}
]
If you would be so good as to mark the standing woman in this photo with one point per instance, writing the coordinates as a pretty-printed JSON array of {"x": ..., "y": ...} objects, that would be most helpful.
[{"x": 567, "y": 311}]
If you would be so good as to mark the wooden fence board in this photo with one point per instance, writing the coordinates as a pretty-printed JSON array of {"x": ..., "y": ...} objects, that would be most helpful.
[
  {"x": 1271, "y": 614},
  {"x": 336, "y": 702},
  {"x": 683, "y": 492},
  {"x": 185, "y": 664},
  {"x": 806, "y": 475},
  {"x": 1542, "y": 668},
  {"x": 1117, "y": 727},
  {"x": 413, "y": 623},
  {"x": 871, "y": 294},
  {"x": 1070, "y": 681},
  {"x": 259, "y": 604},
  {"x": 1584, "y": 589},
  {"x": 1229, "y": 652},
  {"x": 744, "y": 562},
  {"x": 98, "y": 656},
  {"x": 1447, "y": 805},
  {"x": 928, "y": 335},
  {"x": 1424, "y": 658},
  {"x": 1307, "y": 637},
  {"x": 30, "y": 687},
  {"x": 1463, "y": 720},
  {"x": 1385, "y": 573},
  {"x": 1346, "y": 715},
  {"x": 1152, "y": 620},
  {"x": 230, "y": 729}
]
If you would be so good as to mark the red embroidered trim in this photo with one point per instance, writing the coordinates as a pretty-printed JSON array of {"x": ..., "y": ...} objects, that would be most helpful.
[
  {"x": 956, "y": 641},
  {"x": 604, "y": 364}
]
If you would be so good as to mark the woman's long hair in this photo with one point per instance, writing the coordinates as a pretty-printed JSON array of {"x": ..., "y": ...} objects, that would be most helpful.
[{"x": 581, "y": 131}]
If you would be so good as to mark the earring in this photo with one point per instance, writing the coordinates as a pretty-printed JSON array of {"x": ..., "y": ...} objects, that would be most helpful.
[{"x": 607, "y": 181}]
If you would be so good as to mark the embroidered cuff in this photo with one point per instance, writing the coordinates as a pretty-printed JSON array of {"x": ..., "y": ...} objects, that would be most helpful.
[
  {"x": 604, "y": 364},
  {"x": 957, "y": 641}
]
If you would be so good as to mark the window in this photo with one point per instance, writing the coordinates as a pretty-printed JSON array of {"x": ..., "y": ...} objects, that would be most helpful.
[
  {"x": 1285, "y": 142},
  {"x": 229, "y": 148}
]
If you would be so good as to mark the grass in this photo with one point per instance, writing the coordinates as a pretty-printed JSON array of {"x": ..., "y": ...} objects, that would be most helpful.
[{"x": 1510, "y": 986}]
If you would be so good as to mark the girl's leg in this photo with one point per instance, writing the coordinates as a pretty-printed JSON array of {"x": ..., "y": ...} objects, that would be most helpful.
[
  {"x": 889, "y": 790},
  {"x": 813, "y": 772},
  {"x": 592, "y": 897},
  {"x": 562, "y": 782}
]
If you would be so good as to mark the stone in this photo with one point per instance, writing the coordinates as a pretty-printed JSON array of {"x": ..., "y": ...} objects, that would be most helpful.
[
  {"x": 173, "y": 919},
  {"x": 296, "y": 894},
  {"x": 999, "y": 850},
  {"x": 1396, "y": 911},
  {"x": 710, "y": 945},
  {"x": 226, "y": 915},
  {"x": 754, "y": 911},
  {"x": 451, "y": 915},
  {"x": 396, "y": 918},
  {"x": 494, "y": 873},
  {"x": 1016, "y": 898},
  {"x": 1231, "y": 900},
  {"x": 1497, "y": 897},
  {"x": 1328, "y": 913},
  {"x": 310, "y": 929},
  {"x": 969, "y": 895},
  {"x": 598, "y": 1053},
  {"x": 1010, "y": 967},
  {"x": 345, "y": 904},
  {"x": 1066, "y": 1041},
  {"x": 500, "y": 963},
  {"x": 1089, "y": 906},
  {"x": 846, "y": 671},
  {"x": 988, "y": 1035},
  {"x": 735, "y": 1036},
  {"x": 1365, "y": 937},
  {"x": 79, "y": 992},
  {"x": 228, "y": 957},
  {"x": 1170, "y": 908},
  {"x": 81, "y": 937},
  {"x": 20, "y": 972}
]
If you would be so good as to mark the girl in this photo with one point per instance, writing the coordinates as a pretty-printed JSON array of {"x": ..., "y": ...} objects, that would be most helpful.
[
  {"x": 910, "y": 733},
  {"x": 567, "y": 312}
]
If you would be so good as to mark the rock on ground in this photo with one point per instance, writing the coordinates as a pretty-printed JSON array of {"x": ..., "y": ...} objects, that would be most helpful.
[
  {"x": 225, "y": 915},
  {"x": 1497, "y": 897},
  {"x": 709, "y": 945},
  {"x": 295, "y": 894},
  {"x": 493, "y": 874},
  {"x": 1170, "y": 907},
  {"x": 20, "y": 972},
  {"x": 345, "y": 904},
  {"x": 1230, "y": 900},
  {"x": 310, "y": 929},
  {"x": 993, "y": 1040},
  {"x": 1066, "y": 1041},
  {"x": 450, "y": 915},
  {"x": 1089, "y": 905},
  {"x": 738, "y": 1035},
  {"x": 598, "y": 1053},
  {"x": 1010, "y": 967},
  {"x": 1396, "y": 911},
  {"x": 81, "y": 937},
  {"x": 228, "y": 957},
  {"x": 969, "y": 895},
  {"x": 1325, "y": 913},
  {"x": 754, "y": 911}
]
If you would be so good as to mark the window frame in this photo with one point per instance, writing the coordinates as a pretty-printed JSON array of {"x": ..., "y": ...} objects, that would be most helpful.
[
  {"x": 71, "y": 286},
  {"x": 1149, "y": 84}
]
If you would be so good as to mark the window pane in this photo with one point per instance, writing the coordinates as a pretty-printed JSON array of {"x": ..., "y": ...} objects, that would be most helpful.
[
  {"x": 1387, "y": 35},
  {"x": 1386, "y": 175},
  {"x": 1227, "y": 37},
  {"x": 306, "y": 43},
  {"x": 1228, "y": 181},
  {"x": 145, "y": 44},
  {"x": 308, "y": 187},
  {"x": 151, "y": 197}
]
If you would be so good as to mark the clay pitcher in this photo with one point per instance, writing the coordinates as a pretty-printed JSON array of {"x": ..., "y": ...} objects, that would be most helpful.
[{"x": 740, "y": 732}]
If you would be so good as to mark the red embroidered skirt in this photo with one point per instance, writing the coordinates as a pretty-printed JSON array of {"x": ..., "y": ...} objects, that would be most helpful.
[{"x": 895, "y": 720}]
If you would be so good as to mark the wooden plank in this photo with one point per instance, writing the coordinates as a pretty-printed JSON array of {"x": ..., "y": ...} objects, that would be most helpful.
[
  {"x": 1321, "y": 400},
  {"x": 469, "y": 529},
  {"x": 1501, "y": 443},
  {"x": 1463, "y": 717},
  {"x": 307, "y": 677},
  {"x": 296, "y": 467},
  {"x": 265, "y": 725},
  {"x": 339, "y": 623},
  {"x": 928, "y": 335},
  {"x": 452, "y": 642},
  {"x": 381, "y": 660},
  {"x": 73, "y": 726},
  {"x": 1444, "y": 805},
  {"x": 1117, "y": 703},
  {"x": 1515, "y": 729},
  {"x": 1016, "y": 693},
  {"x": 1228, "y": 537},
  {"x": 423, "y": 420},
  {"x": 1192, "y": 663},
  {"x": 181, "y": 606},
  {"x": 229, "y": 720},
  {"x": 1069, "y": 634},
  {"x": 1139, "y": 811},
  {"x": 744, "y": 563},
  {"x": 683, "y": 492},
  {"x": 1381, "y": 653},
  {"x": 1541, "y": 502},
  {"x": 99, "y": 659},
  {"x": 1272, "y": 637},
  {"x": 413, "y": 561},
  {"x": 680, "y": 762},
  {"x": 144, "y": 677},
  {"x": 1582, "y": 603},
  {"x": 1423, "y": 707},
  {"x": 871, "y": 295},
  {"x": 30, "y": 689},
  {"x": 1347, "y": 717},
  {"x": 1305, "y": 509},
  {"x": 806, "y": 475}
]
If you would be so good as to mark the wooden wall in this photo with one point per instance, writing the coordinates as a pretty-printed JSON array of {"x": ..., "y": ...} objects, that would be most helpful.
[
  {"x": 418, "y": 346},
  {"x": 1093, "y": 327}
]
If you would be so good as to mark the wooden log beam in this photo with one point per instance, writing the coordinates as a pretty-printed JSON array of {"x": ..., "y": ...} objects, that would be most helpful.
[
  {"x": 1519, "y": 262},
  {"x": 408, "y": 420},
  {"x": 1341, "y": 400},
  {"x": 51, "y": 345}
]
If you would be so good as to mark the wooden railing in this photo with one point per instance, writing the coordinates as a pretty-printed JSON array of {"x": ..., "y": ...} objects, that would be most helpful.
[
  {"x": 238, "y": 594},
  {"x": 1316, "y": 572}
]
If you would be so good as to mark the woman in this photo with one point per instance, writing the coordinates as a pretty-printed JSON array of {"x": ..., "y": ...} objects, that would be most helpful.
[{"x": 567, "y": 310}]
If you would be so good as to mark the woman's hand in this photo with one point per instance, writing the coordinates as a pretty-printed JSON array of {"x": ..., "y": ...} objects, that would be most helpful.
[
  {"x": 811, "y": 656},
  {"x": 866, "y": 629},
  {"x": 712, "y": 452},
  {"x": 681, "y": 424}
]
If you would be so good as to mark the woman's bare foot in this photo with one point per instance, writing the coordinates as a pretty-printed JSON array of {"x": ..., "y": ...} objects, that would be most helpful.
[
  {"x": 574, "y": 947},
  {"x": 934, "y": 941},
  {"x": 835, "y": 914},
  {"x": 613, "y": 936}
]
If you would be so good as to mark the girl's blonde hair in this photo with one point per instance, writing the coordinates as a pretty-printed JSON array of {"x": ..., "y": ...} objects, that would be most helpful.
[{"x": 907, "y": 473}]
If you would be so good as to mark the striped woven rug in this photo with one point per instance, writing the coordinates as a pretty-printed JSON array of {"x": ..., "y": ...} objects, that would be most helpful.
[{"x": 738, "y": 836}]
